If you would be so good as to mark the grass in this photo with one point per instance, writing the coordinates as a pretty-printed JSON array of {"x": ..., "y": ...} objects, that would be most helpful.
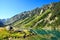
[
  {"x": 31, "y": 23},
  {"x": 25, "y": 21},
  {"x": 4, "y": 34}
]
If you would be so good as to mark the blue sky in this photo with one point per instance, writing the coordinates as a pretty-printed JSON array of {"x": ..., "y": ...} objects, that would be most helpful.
[{"x": 9, "y": 8}]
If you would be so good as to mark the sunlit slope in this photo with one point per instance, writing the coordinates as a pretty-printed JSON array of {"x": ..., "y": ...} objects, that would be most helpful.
[
  {"x": 38, "y": 18},
  {"x": 26, "y": 20},
  {"x": 48, "y": 17}
]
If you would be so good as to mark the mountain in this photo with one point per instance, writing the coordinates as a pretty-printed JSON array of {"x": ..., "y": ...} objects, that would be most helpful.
[
  {"x": 47, "y": 15},
  {"x": 2, "y": 21},
  {"x": 25, "y": 14}
]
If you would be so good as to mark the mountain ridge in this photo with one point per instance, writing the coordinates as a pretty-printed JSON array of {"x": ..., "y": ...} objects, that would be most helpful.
[
  {"x": 25, "y": 14},
  {"x": 47, "y": 13}
]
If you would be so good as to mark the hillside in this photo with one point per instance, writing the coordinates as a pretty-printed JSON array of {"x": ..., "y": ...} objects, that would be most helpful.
[
  {"x": 43, "y": 23},
  {"x": 48, "y": 15}
]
